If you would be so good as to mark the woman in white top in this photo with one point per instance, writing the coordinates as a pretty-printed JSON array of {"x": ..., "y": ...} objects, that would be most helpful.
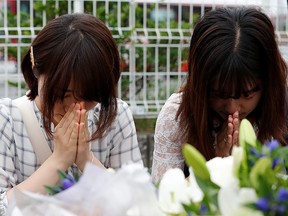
[
  {"x": 235, "y": 71},
  {"x": 72, "y": 70}
]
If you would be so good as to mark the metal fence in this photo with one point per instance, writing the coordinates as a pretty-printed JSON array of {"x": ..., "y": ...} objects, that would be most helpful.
[{"x": 153, "y": 39}]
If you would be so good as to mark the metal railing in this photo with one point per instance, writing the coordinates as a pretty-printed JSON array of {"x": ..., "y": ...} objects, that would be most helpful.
[{"x": 153, "y": 39}]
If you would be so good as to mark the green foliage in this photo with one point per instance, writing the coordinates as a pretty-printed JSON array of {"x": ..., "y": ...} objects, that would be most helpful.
[{"x": 130, "y": 37}]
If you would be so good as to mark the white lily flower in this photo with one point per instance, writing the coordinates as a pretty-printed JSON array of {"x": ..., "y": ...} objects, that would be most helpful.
[
  {"x": 173, "y": 191},
  {"x": 194, "y": 191},
  {"x": 231, "y": 201},
  {"x": 221, "y": 172}
]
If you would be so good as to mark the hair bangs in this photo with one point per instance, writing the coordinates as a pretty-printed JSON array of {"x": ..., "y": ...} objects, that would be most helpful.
[
  {"x": 234, "y": 77},
  {"x": 92, "y": 79}
]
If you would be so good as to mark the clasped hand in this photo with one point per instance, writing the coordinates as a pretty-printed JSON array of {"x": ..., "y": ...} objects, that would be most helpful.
[
  {"x": 71, "y": 138},
  {"x": 228, "y": 136}
]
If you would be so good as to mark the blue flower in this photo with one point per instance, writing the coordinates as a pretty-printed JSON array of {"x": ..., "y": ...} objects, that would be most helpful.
[
  {"x": 282, "y": 195},
  {"x": 254, "y": 151},
  {"x": 66, "y": 183},
  {"x": 263, "y": 204},
  {"x": 272, "y": 145},
  {"x": 275, "y": 162},
  {"x": 203, "y": 209}
]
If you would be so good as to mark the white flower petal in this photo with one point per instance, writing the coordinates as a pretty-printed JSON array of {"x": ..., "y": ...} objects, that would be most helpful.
[
  {"x": 231, "y": 202},
  {"x": 221, "y": 171},
  {"x": 173, "y": 191}
]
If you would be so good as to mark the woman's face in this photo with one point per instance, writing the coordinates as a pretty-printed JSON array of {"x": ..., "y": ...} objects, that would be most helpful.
[
  {"x": 228, "y": 105},
  {"x": 61, "y": 107}
]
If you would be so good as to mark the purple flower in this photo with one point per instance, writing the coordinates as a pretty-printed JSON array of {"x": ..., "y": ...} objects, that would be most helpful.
[
  {"x": 254, "y": 151},
  {"x": 272, "y": 145},
  {"x": 203, "y": 209},
  {"x": 66, "y": 183},
  {"x": 275, "y": 162},
  {"x": 282, "y": 195},
  {"x": 71, "y": 178},
  {"x": 262, "y": 204}
]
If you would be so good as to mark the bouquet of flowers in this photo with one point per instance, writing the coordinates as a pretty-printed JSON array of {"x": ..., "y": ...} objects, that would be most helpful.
[
  {"x": 98, "y": 192},
  {"x": 252, "y": 181}
]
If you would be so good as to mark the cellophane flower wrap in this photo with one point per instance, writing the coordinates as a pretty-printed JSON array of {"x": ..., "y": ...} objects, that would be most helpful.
[{"x": 128, "y": 191}]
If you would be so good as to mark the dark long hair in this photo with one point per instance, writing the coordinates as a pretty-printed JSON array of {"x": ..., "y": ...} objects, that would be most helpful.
[
  {"x": 81, "y": 49},
  {"x": 233, "y": 48}
]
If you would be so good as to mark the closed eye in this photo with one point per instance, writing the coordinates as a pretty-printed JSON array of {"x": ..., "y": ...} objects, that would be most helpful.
[{"x": 251, "y": 92}]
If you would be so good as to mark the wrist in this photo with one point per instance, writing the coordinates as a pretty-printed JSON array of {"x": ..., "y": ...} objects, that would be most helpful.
[
  {"x": 89, "y": 158},
  {"x": 59, "y": 164}
]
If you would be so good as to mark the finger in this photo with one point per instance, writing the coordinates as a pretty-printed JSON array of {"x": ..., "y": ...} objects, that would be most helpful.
[
  {"x": 73, "y": 139},
  {"x": 87, "y": 134},
  {"x": 83, "y": 145},
  {"x": 82, "y": 105},
  {"x": 229, "y": 141},
  {"x": 84, "y": 120},
  {"x": 81, "y": 137},
  {"x": 67, "y": 125},
  {"x": 74, "y": 119},
  {"x": 229, "y": 136},
  {"x": 69, "y": 129},
  {"x": 70, "y": 110},
  {"x": 230, "y": 129},
  {"x": 235, "y": 137},
  {"x": 83, "y": 116},
  {"x": 236, "y": 121},
  {"x": 236, "y": 114},
  {"x": 230, "y": 119}
]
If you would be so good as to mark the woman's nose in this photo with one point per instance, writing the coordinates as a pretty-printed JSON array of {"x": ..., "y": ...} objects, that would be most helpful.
[{"x": 231, "y": 105}]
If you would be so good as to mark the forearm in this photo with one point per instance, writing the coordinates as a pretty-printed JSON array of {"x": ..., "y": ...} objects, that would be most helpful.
[{"x": 45, "y": 175}]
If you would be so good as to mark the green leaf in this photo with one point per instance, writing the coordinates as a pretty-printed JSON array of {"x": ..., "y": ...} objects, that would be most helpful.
[
  {"x": 76, "y": 176},
  {"x": 261, "y": 168},
  {"x": 51, "y": 190},
  {"x": 61, "y": 174},
  {"x": 191, "y": 207},
  {"x": 196, "y": 161}
]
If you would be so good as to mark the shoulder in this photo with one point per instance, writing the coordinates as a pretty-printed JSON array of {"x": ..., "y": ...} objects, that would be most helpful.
[
  {"x": 9, "y": 109},
  {"x": 6, "y": 103},
  {"x": 122, "y": 106},
  {"x": 11, "y": 121},
  {"x": 167, "y": 125},
  {"x": 167, "y": 116},
  {"x": 171, "y": 105},
  {"x": 124, "y": 113}
]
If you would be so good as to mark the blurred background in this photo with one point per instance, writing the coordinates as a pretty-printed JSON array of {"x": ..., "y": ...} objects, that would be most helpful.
[{"x": 152, "y": 35}]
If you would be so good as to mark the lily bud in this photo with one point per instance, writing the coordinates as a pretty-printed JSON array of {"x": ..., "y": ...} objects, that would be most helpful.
[{"x": 196, "y": 161}]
